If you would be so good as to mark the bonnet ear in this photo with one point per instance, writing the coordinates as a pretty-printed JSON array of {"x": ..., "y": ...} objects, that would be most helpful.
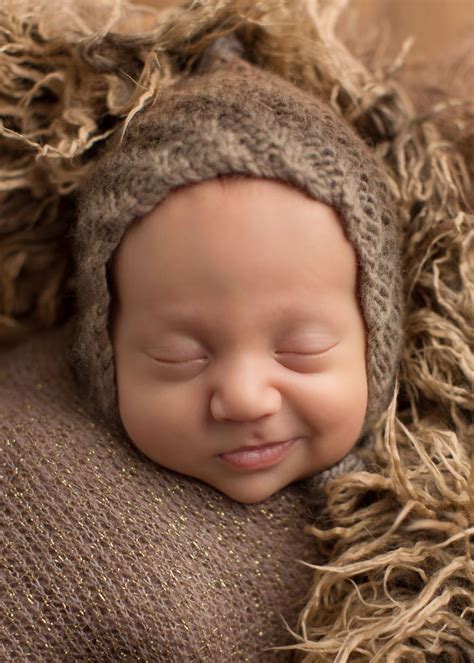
[{"x": 224, "y": 52}]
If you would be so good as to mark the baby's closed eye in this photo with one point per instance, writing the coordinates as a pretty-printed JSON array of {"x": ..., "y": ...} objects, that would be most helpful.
[{"x": 310, "y": 353}]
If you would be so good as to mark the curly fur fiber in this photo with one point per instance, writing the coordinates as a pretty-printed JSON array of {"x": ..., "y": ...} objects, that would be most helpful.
[{"x": 398, "y": 582}]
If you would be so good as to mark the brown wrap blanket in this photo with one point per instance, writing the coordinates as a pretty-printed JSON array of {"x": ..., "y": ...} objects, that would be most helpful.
[{"x": 111, "y": 557}]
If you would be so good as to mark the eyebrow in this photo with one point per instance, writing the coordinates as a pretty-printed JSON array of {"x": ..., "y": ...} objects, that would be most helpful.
[{"x": 186, "y": 316}]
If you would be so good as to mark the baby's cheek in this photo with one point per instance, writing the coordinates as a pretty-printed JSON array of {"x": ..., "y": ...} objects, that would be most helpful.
[
  {"x": 336, "y": 404},
  {"x": 153, "y": 415}
]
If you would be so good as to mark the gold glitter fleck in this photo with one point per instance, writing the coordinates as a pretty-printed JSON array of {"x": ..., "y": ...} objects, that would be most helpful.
[{"x": 109, "y": 548}]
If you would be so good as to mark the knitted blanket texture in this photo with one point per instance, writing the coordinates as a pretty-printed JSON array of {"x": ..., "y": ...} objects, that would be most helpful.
[{"x": 110, "y": 557}]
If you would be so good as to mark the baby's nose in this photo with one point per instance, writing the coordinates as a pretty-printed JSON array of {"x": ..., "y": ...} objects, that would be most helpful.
[{"x": 242, "y": 393}]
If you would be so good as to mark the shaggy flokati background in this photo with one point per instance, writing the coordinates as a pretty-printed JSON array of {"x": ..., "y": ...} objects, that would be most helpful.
[{"x": 398, "y": 582}]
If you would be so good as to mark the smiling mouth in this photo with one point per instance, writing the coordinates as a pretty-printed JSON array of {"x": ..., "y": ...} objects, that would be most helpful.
[{"x": 266, "y": 455}]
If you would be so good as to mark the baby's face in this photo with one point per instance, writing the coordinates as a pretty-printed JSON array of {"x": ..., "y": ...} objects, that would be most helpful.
[{"x": 237, "y": 324}]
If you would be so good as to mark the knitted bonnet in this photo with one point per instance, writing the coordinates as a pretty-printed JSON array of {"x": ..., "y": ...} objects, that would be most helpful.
[{"x": 231, "y": 117}]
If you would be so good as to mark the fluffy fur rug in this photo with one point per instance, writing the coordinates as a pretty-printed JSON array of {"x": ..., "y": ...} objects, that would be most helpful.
[{"x": 398, "y": 581}]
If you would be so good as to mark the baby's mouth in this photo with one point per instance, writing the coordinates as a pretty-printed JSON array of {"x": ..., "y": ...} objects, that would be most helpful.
[{"x": 257, "y": 457}]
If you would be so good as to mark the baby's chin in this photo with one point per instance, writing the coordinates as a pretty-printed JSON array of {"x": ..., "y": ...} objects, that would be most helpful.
[
  {"x": 250, "y": 487},
  {"x": 245, "y": 494}
]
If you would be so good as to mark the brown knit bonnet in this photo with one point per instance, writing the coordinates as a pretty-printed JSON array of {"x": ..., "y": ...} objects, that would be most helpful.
[{"x": 230, "y": 117}]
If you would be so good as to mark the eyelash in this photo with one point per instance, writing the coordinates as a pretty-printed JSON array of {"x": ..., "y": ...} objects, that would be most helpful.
[
  {"x": 177, "y": 363},
  {"x": 189, "y": 361}
]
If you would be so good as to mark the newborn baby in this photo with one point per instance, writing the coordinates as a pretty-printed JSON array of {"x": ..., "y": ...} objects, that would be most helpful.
[
  {"x": 241, "y": 330},
  {"x": 230, "y": 333}
]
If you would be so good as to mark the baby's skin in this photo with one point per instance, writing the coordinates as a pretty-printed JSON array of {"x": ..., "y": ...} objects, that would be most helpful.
[{"x": 237, "y": 324}]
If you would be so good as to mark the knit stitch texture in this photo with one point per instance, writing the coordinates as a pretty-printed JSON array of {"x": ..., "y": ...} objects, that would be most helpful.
[{"x": 109, "y": 557}]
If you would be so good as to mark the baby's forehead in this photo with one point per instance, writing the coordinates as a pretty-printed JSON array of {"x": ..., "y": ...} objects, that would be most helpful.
[
  {"x": 220, "y": 196},
  {"x": 222, "y": 242},
  {"x": 235, "y": 215}
]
